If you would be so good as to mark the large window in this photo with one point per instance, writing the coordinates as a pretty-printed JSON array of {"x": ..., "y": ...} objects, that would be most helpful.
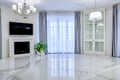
[{"x": 60, "y": 33}]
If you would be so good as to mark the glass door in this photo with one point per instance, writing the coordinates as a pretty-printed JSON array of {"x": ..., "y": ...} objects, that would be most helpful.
[
  {"x": 88, "y": 34},
  {"x": 99, "y": 35},
  {"x": 93, "y": 35}
]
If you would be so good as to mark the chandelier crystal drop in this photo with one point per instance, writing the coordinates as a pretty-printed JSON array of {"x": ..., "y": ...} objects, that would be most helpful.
[{"x": 23, "y": 10}]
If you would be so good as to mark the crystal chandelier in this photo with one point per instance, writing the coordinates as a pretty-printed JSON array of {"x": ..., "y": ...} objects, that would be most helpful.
[
  {"x": 23, "y": 10},
  {"x": 95, "y": 15}
]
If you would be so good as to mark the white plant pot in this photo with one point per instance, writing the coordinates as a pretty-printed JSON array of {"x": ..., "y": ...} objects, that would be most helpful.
[{"x": 42, "y": 53}]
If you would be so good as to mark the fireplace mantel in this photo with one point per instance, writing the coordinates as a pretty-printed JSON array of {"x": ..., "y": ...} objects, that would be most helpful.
[{"x": 12, "y": 47}]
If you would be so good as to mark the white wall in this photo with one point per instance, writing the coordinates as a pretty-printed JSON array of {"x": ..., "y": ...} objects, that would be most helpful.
[
  {"x": 0, "y": 36},
  {"x": 108, "y": 31},
  {"x": 8, "y": 15}
]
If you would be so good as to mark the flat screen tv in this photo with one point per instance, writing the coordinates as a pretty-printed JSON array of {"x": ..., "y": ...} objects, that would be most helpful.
[{"x": 16, "y": 28}]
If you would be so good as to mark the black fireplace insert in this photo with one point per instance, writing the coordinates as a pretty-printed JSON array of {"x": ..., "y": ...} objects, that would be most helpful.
[{"x": 21, "y": 47}]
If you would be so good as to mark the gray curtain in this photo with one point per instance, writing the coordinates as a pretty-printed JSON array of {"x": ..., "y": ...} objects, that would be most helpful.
[
  {"x": 77, "y": 33},
  {"x": 0, "y": 37},
  {"x": 115, "y": 34},
  {"x": 43, "y": 27}
]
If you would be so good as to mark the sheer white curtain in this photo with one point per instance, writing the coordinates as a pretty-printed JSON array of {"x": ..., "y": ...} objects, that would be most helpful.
[{"x": 60, "y": 32}]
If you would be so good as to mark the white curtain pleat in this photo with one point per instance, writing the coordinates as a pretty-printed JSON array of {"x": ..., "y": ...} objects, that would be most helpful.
[{"x": 60, "y": 31}]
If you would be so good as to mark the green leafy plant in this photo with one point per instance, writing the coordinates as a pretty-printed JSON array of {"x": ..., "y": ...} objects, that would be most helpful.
[{"x": 40, "y": 46}]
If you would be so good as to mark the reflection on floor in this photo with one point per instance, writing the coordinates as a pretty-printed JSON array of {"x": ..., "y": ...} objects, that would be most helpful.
[{"x": 60, "y": 67}]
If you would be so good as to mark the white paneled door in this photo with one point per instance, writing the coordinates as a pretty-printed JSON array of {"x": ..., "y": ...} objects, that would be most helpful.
[{"x": 93, "y": 35}]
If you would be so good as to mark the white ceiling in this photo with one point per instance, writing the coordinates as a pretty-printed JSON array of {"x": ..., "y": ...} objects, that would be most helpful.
[{"x": 63, "y": 5}]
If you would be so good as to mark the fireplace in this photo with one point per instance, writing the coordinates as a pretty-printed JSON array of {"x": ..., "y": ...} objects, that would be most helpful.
[{"x": 20, "y": 46}]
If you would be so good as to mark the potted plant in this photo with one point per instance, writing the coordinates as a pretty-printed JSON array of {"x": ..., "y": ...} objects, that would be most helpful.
[{"x": 40, "y": 47}]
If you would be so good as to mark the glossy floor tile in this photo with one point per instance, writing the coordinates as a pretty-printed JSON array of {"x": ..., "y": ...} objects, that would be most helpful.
[{"x": 60, "y": 67}]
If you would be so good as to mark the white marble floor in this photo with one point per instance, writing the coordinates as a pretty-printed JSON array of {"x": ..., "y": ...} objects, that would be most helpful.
[{"x": 60, "y": 67}]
